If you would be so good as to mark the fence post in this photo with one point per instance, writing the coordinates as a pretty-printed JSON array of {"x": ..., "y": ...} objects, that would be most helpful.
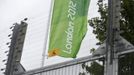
[
  {"x": 17, "y": 40},
  {"x": 113, "y": 28}
]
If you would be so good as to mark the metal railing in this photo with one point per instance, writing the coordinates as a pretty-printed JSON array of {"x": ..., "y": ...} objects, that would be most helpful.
[{"x": 73, "y": 67}]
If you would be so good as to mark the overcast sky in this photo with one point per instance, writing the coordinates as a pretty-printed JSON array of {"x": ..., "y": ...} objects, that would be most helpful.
[{"x": 37, "y": 12}]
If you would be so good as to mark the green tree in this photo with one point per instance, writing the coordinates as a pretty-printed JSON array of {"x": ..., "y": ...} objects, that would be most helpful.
[{"x": 126, "y": 26}]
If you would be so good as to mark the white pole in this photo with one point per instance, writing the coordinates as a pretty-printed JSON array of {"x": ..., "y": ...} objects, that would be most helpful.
[{"x": 47, "y": 34}]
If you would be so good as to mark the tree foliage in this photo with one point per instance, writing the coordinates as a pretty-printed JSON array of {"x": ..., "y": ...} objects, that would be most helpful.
[
  {"x": 127, "y": 18},
  {"x": 126, "y": 21},
  {"x": 95, "y": 68},
  {"x": 99, "y": 23}
]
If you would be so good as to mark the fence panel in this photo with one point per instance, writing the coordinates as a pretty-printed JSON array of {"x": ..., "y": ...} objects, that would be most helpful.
[{"x": 73, "y": 67}]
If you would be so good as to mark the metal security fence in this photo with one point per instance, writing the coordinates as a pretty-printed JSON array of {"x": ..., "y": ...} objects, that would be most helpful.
[
  {"x": 71, "y": 70},
  {"x": 73, "y": 67}
]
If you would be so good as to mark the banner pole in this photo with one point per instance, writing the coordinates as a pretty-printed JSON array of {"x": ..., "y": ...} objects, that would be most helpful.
[{"x": 47, "y": 34}]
